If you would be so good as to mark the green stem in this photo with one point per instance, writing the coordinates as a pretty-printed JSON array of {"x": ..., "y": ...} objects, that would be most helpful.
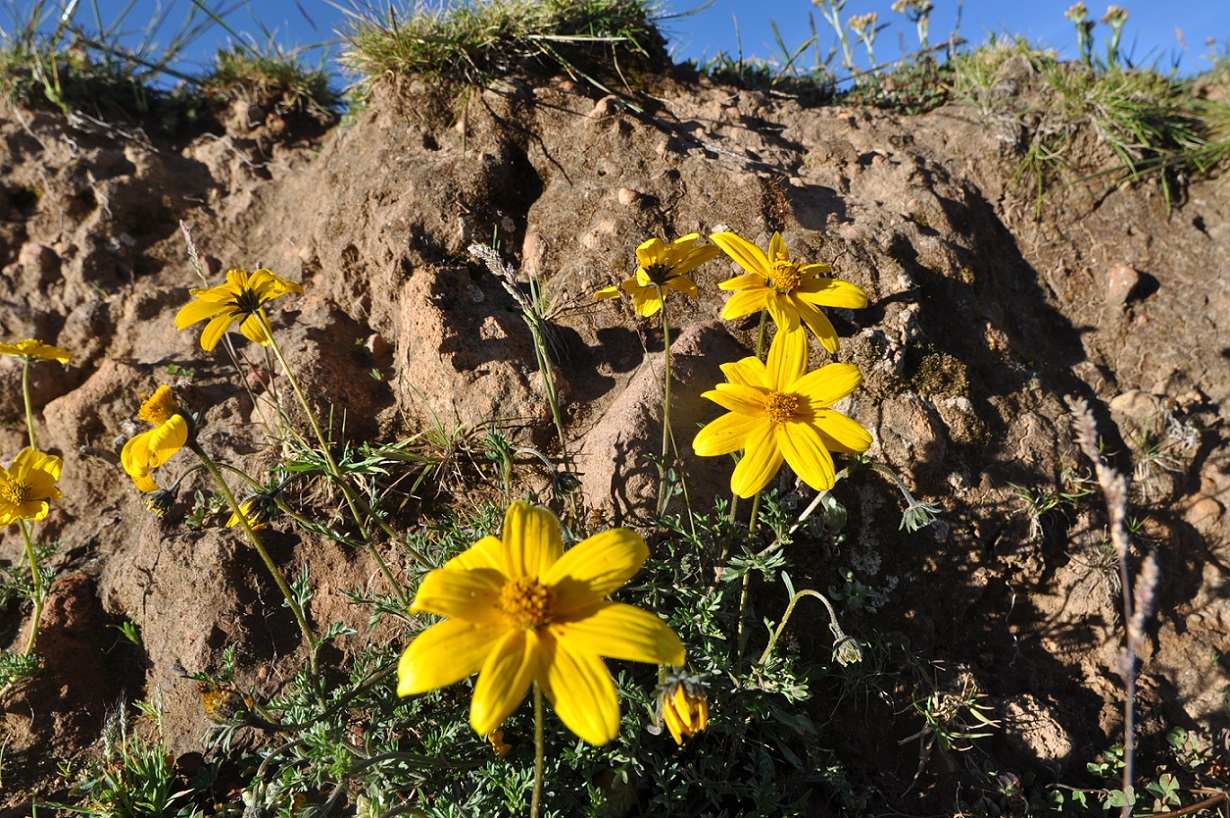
[
  {"x": 25, "y": 391},
  {"x": 840, "y": 640},
  {"x": 334, "y": 471},
  {"x": 744, "y": 591},
  {"x": 37, "y": 578},
  {"x": 216, "y": 473},
  {"x": 539, "y": 752}
]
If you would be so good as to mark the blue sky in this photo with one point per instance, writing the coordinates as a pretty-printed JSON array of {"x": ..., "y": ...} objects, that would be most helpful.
[{"x": 1161, "y": 32}]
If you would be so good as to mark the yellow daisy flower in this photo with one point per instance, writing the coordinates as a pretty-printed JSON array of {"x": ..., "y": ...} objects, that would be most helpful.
[
  {"x": 255, "y": 513},
  {"x": 520, "y": 609},
  {"x": 151, "y": 449},
  {"x": 790, "y": 291},
  {"x": 663, "y": 265},
  {"x": 242, "y": 299},
  {"x": 779, "y": 413},
  {"x": 29, "y": 487},
  {"x": 683, "y": 706},
  {"x": 30, "y": 349}
]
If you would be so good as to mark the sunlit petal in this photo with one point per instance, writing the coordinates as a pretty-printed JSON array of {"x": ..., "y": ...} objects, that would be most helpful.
[
  {"x": 746, "y": 255},
  {"x": 623, "y": 632},
  {"x": 444, "y": 654},
  {"x": 745, "y": 400},
  {"x": 745, "y": 302},
  {"x": 727, "y": 434},
  {"x": 783, "y": 313},
  {"x": 801, "y": 446},
  {"x": 759, "y": 464},
  {"x": 486, "y": 553},
  {"x": 504, "y": 680},
  {"x": 532, "y": 541},
  {"x": 594, "y": 568},
  {"x": 579, "y": 686},
  {"x": 819, "y": 324},
  {"x": 830, "y": 292},
  {"x": 473, "y": 596},
  {"x": 842, "y": 434},
  {"x": 787, "y": 360},
  {"x": 747, "y": 372},
  {"x": 825, "y": 386},
  {"x": 215, "y": 329}
]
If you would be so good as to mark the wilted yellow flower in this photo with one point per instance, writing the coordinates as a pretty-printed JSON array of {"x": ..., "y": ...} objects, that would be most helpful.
[
  {"x": 790, "y": 291},
  {"x": 29, "y": 487},
  {"x": 151, "y": 449},
  {"x": 779, "y": 413},
  {"x": 662, "y": 267},
  {"x": 255, "y": 513},
  {"x": 683, "y": 706},
  {"x": 520, "y": 609},
  {"x": 31, "y": 349},
  {"x": 160, "y": 501},
  {"x": 241, "y": 298},
  {"x": 500, "y": 747}
]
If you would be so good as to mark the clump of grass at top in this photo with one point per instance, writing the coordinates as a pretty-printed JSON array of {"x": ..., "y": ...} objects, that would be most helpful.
[
  {"x": 273, "y": 78},
  {"x": 1152, "y": 124},
  {"x": 473, "y": 43}
]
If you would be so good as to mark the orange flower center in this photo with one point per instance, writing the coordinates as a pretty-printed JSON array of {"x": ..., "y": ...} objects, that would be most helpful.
[
  {"x": 14, "y": 491},
  {"x": 784, "y": 275},
  {"x": 160, "y": 407},
  {"x": 781, "y": 406},
  {"x": 526, "y": 603}
]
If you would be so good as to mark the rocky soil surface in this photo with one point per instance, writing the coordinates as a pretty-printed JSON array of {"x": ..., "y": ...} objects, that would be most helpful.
[{"x": 988, "y": 316}]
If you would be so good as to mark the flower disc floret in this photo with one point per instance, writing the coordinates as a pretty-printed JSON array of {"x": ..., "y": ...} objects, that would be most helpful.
[
  {"x": 777, "y": 414},
  {"x": 241, "y": 298},
  {"x": 28, "y": 488},
  {"x": 519, "y": 610},
  {"x": 792, "y": 292}
]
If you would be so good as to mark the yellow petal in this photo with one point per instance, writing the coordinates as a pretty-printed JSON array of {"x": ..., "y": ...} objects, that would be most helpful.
[
  {"x": 747, "y": 372},
  {"x": 532, "y": 542},
  {"x": 504, "y": 680},
  {"x": 684, "y": 285},
  {"x": 801, "y": 446},
  {"x": 135, "y": 459},
  {"x": 593, "y": 568},
  {"x": 746, "y": 400},
  {"x": 695, "y": 257},
  {"x": 727, "y": 434},
  {"x": 842, "y": 434},
  {"x": 166, "y": 440},
  {"x": 830, "y": 292},
  {"x": 747, "y": 281},
  {"x": 784, "y": 314},
  {"x": 650, "y": 252},
  {"x": 194, "y": 311},
  {"x": 253, "y": 328},
  {"x": 625, "y": 632},
  {"x": 445, "y": 653},
  {"x": 819, "y": 324},
  {"x": 777, "y": 248},
  {"x": 787, "y": 360},
  {"x": 825, "y": 386},
  {"x": 486, "y": 553},
  {"x": 760, "y": 462},
  {"x": 646, "y": 302},
  {"x": 746, "y": 255},
  {"x": 608, "y": 292},
  {"x": 580, "y": 687},
  {"x": 745, "y": 302},
  {"x": 473, "y": 596},
  {"x": 215, "y": 329}
]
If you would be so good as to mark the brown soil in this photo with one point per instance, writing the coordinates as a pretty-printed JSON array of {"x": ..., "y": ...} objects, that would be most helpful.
[{"x": 984, "y": 320}]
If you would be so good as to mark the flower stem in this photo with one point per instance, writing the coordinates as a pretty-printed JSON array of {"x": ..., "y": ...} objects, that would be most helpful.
[
  {"x": 841, "y": 642},
  {"x": 743, "y": 593},
  {"x": 25, "y": 392},
  {"x": 334, "y": 471},
  {"x": 539, "y": 752},
  {"x": 37, "y": 578},
  {"x": 293, "y": 603}
]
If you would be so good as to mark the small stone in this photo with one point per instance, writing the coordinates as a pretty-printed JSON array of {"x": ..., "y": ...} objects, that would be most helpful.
[
  {"x": 608, "y": 106},
  {"x": 1121, "y": 282},
  {"x": 533, "y": 252},
  {"x": 38, "y": 256},
  {"x": 1204, "y": 512},
  {"x": 627, "y": 196}
]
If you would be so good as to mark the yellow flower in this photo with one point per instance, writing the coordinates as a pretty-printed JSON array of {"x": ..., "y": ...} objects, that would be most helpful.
[
  {"x": 242, "y": 299},
  {"x": 662, "y": 267},
  {"x": 790, "y": 291},
  {"x": 257, "y": 518},
  {"x": 683, "y": 706},
  {"x": 28, "y": 488},
  {"x": 151, "y": 449},
  {"x": 29, "y": 349},
  {"x": 520, "y": 609},
  {"x": 777, "y": 412},
  {"x": 499, "y": 746}
]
